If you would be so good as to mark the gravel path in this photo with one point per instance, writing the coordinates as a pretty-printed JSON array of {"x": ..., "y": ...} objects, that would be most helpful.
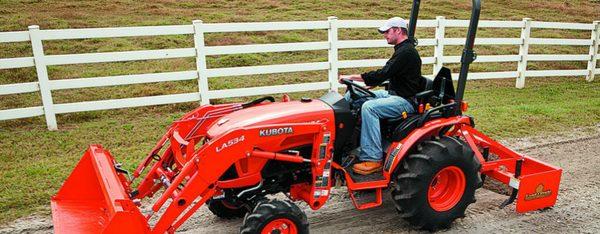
[{"x": 577, "y": 208}]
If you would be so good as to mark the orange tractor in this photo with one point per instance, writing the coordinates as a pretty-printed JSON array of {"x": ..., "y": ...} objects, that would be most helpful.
[{"x": 231, "y": 156}]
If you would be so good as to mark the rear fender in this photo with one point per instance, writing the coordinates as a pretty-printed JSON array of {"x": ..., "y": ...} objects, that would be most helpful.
[
  {"x": 398, "y": 150},
  {"x": 536, "y": 183}
]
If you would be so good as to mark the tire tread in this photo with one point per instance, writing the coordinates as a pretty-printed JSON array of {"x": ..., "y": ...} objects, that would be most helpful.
[{"x": 412, "y": 181}]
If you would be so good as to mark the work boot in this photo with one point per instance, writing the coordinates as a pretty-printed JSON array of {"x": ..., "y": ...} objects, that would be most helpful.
[{"x": 366, "y": 168}]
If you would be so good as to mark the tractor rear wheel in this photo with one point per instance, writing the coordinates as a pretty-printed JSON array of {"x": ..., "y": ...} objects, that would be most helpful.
[
  {"x": 435, "y": 184},
  {"x": 275, "y": 216}
]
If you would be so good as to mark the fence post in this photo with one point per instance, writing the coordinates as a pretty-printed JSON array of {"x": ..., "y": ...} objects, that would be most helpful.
[
  {"x": 332, "y": 35},
  {"x": 593, "y": 52},
  {"x": 438, "y": 49},
  {"x": 201, "y": 62},
  {"x": 523, "y": 52},
  {"x": 42, "y": 74}
]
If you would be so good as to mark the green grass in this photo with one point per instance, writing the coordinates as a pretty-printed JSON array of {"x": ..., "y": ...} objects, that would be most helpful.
[{"x": 34, "y": 162}]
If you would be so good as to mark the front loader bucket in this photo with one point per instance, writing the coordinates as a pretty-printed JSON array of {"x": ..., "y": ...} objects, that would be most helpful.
[{"x": 94, "y": 199}]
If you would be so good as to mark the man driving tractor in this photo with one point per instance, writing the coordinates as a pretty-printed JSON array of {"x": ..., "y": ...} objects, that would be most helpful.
[{"x": 403, "y": 71}]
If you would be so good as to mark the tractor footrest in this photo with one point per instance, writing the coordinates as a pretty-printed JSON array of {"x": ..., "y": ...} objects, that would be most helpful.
[{"x": 358, "y": 178}]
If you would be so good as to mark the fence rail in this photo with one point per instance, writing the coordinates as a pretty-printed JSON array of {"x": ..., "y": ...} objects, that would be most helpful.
[{"x": 198, "y": 29}]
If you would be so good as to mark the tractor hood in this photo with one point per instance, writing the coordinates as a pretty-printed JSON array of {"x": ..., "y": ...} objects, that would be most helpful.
[{"x": 273, "y": 113}]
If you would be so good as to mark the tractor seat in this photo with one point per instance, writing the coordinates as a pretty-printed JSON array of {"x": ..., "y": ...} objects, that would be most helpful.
[{"x": 389, "y": 125}]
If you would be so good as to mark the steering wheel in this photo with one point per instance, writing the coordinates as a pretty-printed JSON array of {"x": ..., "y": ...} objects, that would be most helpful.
[{"x": 353, "y": 88}]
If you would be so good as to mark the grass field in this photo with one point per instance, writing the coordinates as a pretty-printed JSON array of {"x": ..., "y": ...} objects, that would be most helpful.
[{"x": 34, "y": 162}]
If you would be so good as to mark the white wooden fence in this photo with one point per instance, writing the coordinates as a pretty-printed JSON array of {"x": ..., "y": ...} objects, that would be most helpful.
[{"x": 45, "y": 86}]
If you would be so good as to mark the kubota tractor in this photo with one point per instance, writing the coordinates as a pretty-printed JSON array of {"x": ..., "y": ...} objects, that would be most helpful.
[{"x": 231, "y": 156}]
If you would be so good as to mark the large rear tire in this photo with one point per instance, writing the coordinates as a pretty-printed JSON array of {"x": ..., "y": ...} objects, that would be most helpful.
[
  {"x": 275, "y": 216},
  {"x": 435, "y": 184}
]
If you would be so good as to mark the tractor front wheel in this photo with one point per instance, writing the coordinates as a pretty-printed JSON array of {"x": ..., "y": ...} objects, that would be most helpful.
[
  {"x": 435, "y": 184},
  {"x": 225, "y": 210},
  {"x": 275, "y": 216}
]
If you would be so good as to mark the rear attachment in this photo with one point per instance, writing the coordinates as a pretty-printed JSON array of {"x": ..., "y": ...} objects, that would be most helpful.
[{"x": 535, "y": 183}]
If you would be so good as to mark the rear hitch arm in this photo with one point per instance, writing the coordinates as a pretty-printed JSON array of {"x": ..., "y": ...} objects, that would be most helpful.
[{"x": 515, "y": 191}]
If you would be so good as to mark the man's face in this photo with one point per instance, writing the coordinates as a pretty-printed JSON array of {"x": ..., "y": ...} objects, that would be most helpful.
[{"x": 392, "y": 35}]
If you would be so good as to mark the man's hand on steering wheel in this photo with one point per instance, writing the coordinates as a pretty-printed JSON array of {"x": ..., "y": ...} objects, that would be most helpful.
[
  {"x": 353, "y": 78},
  {"x": 355, "y": 88},
  {"x": 340, "y": 77}
]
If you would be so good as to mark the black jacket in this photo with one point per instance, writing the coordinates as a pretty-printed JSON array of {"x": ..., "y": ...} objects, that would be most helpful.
[{"x": 403, "y": 70}]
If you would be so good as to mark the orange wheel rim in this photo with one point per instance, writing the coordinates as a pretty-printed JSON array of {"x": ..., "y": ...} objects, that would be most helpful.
[
  {"x": 446, "y": 188},
  {"x": 282, "y": 226}
]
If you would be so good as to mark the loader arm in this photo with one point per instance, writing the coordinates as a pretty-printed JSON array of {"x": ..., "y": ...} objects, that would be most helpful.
[
  {"x": 190, "y": 124},
  {"x": 197, "y": 179}
]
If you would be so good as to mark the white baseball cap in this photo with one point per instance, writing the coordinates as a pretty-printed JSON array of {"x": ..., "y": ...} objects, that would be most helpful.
[{"x": 393, "y": 22}]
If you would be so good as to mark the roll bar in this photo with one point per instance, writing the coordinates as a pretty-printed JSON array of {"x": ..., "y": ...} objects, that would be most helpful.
[
  {"x": 412, "y": 24},
  {"x": 468, "y": 55}
]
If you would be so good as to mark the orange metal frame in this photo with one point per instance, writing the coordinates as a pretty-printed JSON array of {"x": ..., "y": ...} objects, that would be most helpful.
[{"x": 188, "y": 166}]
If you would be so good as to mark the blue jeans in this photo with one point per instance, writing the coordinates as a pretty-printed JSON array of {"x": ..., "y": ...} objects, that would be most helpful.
[{"x": 383, "y": 106}]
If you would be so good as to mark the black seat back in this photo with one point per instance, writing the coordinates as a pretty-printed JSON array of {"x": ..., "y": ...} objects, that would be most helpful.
[
  {"x": 426, "y": 83},
  {"x": 443, "y": 87}
]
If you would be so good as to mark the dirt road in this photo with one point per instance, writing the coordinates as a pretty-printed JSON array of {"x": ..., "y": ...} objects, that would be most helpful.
[{"x": 577, "y": 208}]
